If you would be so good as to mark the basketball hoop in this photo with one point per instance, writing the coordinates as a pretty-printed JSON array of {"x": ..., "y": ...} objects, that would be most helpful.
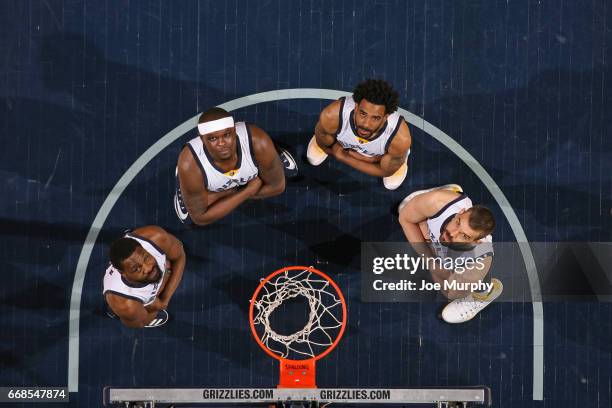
[{"x": 297, "y": 352}]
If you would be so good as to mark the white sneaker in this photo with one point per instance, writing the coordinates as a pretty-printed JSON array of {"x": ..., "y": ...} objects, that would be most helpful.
[
  {"x": 289, "y": 163},
  {"x": 314, "y": 153},
  {"x": 396, "y": 179},
  {"x": 465, "y": 309},
  {"x": 179, "y": 207}
]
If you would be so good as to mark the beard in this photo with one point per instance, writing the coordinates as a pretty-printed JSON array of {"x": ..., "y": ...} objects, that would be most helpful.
[
  {"x": 459, "y": 246},
  {"x": 154, "y": 276}
]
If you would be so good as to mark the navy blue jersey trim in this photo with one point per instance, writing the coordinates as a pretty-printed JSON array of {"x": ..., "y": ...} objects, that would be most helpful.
[
  {"x": 134, "y": 285},
  {"x": 132, "y": 235},
  {"x": 197, "y": 160},
  {"x": 340, "y": 116},
  {"x": 250, "y": 138},
  {"x": 461, "y": 197},
  {"x": 485, "y": 255},
  {"x": 123, "y": 295},
  {"x": 399, "y": 123}
]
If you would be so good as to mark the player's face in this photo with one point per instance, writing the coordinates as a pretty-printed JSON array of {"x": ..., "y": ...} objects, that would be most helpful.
[
  {"x": 221, "y": 144},
  {"x": 369, "y": 118},
  {"x": 458, "y": 230},
  {"x": 140, "y": 267}
]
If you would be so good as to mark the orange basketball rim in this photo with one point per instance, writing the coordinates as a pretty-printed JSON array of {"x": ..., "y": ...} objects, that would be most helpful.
[{"x": 326, "y": 302}]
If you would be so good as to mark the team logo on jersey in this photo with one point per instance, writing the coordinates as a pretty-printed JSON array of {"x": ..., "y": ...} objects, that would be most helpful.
[
  {"x": 231, "y": 173},
  {"x": 362, "y": 140}
]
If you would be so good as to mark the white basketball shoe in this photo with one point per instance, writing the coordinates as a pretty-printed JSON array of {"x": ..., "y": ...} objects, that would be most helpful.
[{"x": 465, "y": 309}]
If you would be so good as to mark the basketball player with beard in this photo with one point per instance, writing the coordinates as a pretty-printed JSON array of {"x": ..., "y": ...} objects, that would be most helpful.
[
  {"x": 442, "y": 222},
  {"x": 146, "y": 267},
  {"x": 227, "y": 164},
  {"x": 365, "y": 131}
]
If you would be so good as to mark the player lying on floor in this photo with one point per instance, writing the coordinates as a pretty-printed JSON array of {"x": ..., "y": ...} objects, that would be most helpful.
[{"x": 146, "y": 267}]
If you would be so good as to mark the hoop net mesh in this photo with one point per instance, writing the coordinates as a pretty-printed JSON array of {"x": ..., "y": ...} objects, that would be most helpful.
[{"x": 324, "y": 321}]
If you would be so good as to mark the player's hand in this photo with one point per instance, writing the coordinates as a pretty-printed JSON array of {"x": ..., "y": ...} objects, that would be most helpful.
[
  {"x": 158, "y": 304},
  {"x": 363, "y": 158},
  {"x": 338, "y": 152},
  {"x": 254, "y": 185}
]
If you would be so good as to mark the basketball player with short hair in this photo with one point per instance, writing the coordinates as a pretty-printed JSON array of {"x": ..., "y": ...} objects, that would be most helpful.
[
  {"x": 365, "y": 132},
  {"x": 225, "y": 165},
  {"x": 146, "y": 267},
  {"x": 445, "y": 219}
]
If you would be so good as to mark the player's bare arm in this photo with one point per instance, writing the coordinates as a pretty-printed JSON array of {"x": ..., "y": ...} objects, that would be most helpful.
[
  {"x": 387, "y": 165},
  {"x": 327, "y": 126},
  {"x": 398, "y": 151},
  {"x": 270, "y": 167},
  {"x": 416, "y": 211},
  {"x": 345, "y": 156},
  {"x": 132, "y": 313},
  {"x": 367, "y": 159},
  {"x": 213, "y": 196},
  {"x": 195, "y": 194},
  {"x": 175, "y": 254},
  {"x": 413, "y": 216}
]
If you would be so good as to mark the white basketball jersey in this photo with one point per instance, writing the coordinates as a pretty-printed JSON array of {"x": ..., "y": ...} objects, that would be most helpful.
[
  {"x": 143, "y": 292},
  {"x": 246, "y": 169},
  {"x": 349, "y": 139},
  {"x": 439, "y": 220}
]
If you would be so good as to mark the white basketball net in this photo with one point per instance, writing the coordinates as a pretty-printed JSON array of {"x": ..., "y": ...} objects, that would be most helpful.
[{"x": 324, "y": 318}]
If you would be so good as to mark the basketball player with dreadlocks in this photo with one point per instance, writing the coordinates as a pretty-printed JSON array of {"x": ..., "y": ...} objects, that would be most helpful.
[{"x": 366, "y": 132}]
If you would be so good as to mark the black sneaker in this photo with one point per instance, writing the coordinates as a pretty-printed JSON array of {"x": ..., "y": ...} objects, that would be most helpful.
[
  {"x": 289, "y": 164},
  {"x": 109, "y": 312},
  {"x": 161, "y": 319}
]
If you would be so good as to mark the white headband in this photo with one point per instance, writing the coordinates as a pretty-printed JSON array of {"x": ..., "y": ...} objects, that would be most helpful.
[{"x": 215, "y": 125}]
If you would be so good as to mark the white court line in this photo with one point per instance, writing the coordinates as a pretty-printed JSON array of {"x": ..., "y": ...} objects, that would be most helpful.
[{"x": 305, "y": 93}]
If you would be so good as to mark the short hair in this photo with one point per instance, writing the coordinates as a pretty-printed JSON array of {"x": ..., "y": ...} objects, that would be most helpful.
[
  {"x": 378, "y": 92},
  {"x": 481, "y": 220},
  {"x": 120, "y": 250},
  {"x": 213, "y": 114}
]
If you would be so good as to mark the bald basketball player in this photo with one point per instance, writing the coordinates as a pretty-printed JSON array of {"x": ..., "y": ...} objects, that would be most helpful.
[
  {"x": 146, "y": 267},
  {"x": 225, "y": 165},
  {"x": 365, "y": 132},
  {"x": 442, "y": 222}
]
